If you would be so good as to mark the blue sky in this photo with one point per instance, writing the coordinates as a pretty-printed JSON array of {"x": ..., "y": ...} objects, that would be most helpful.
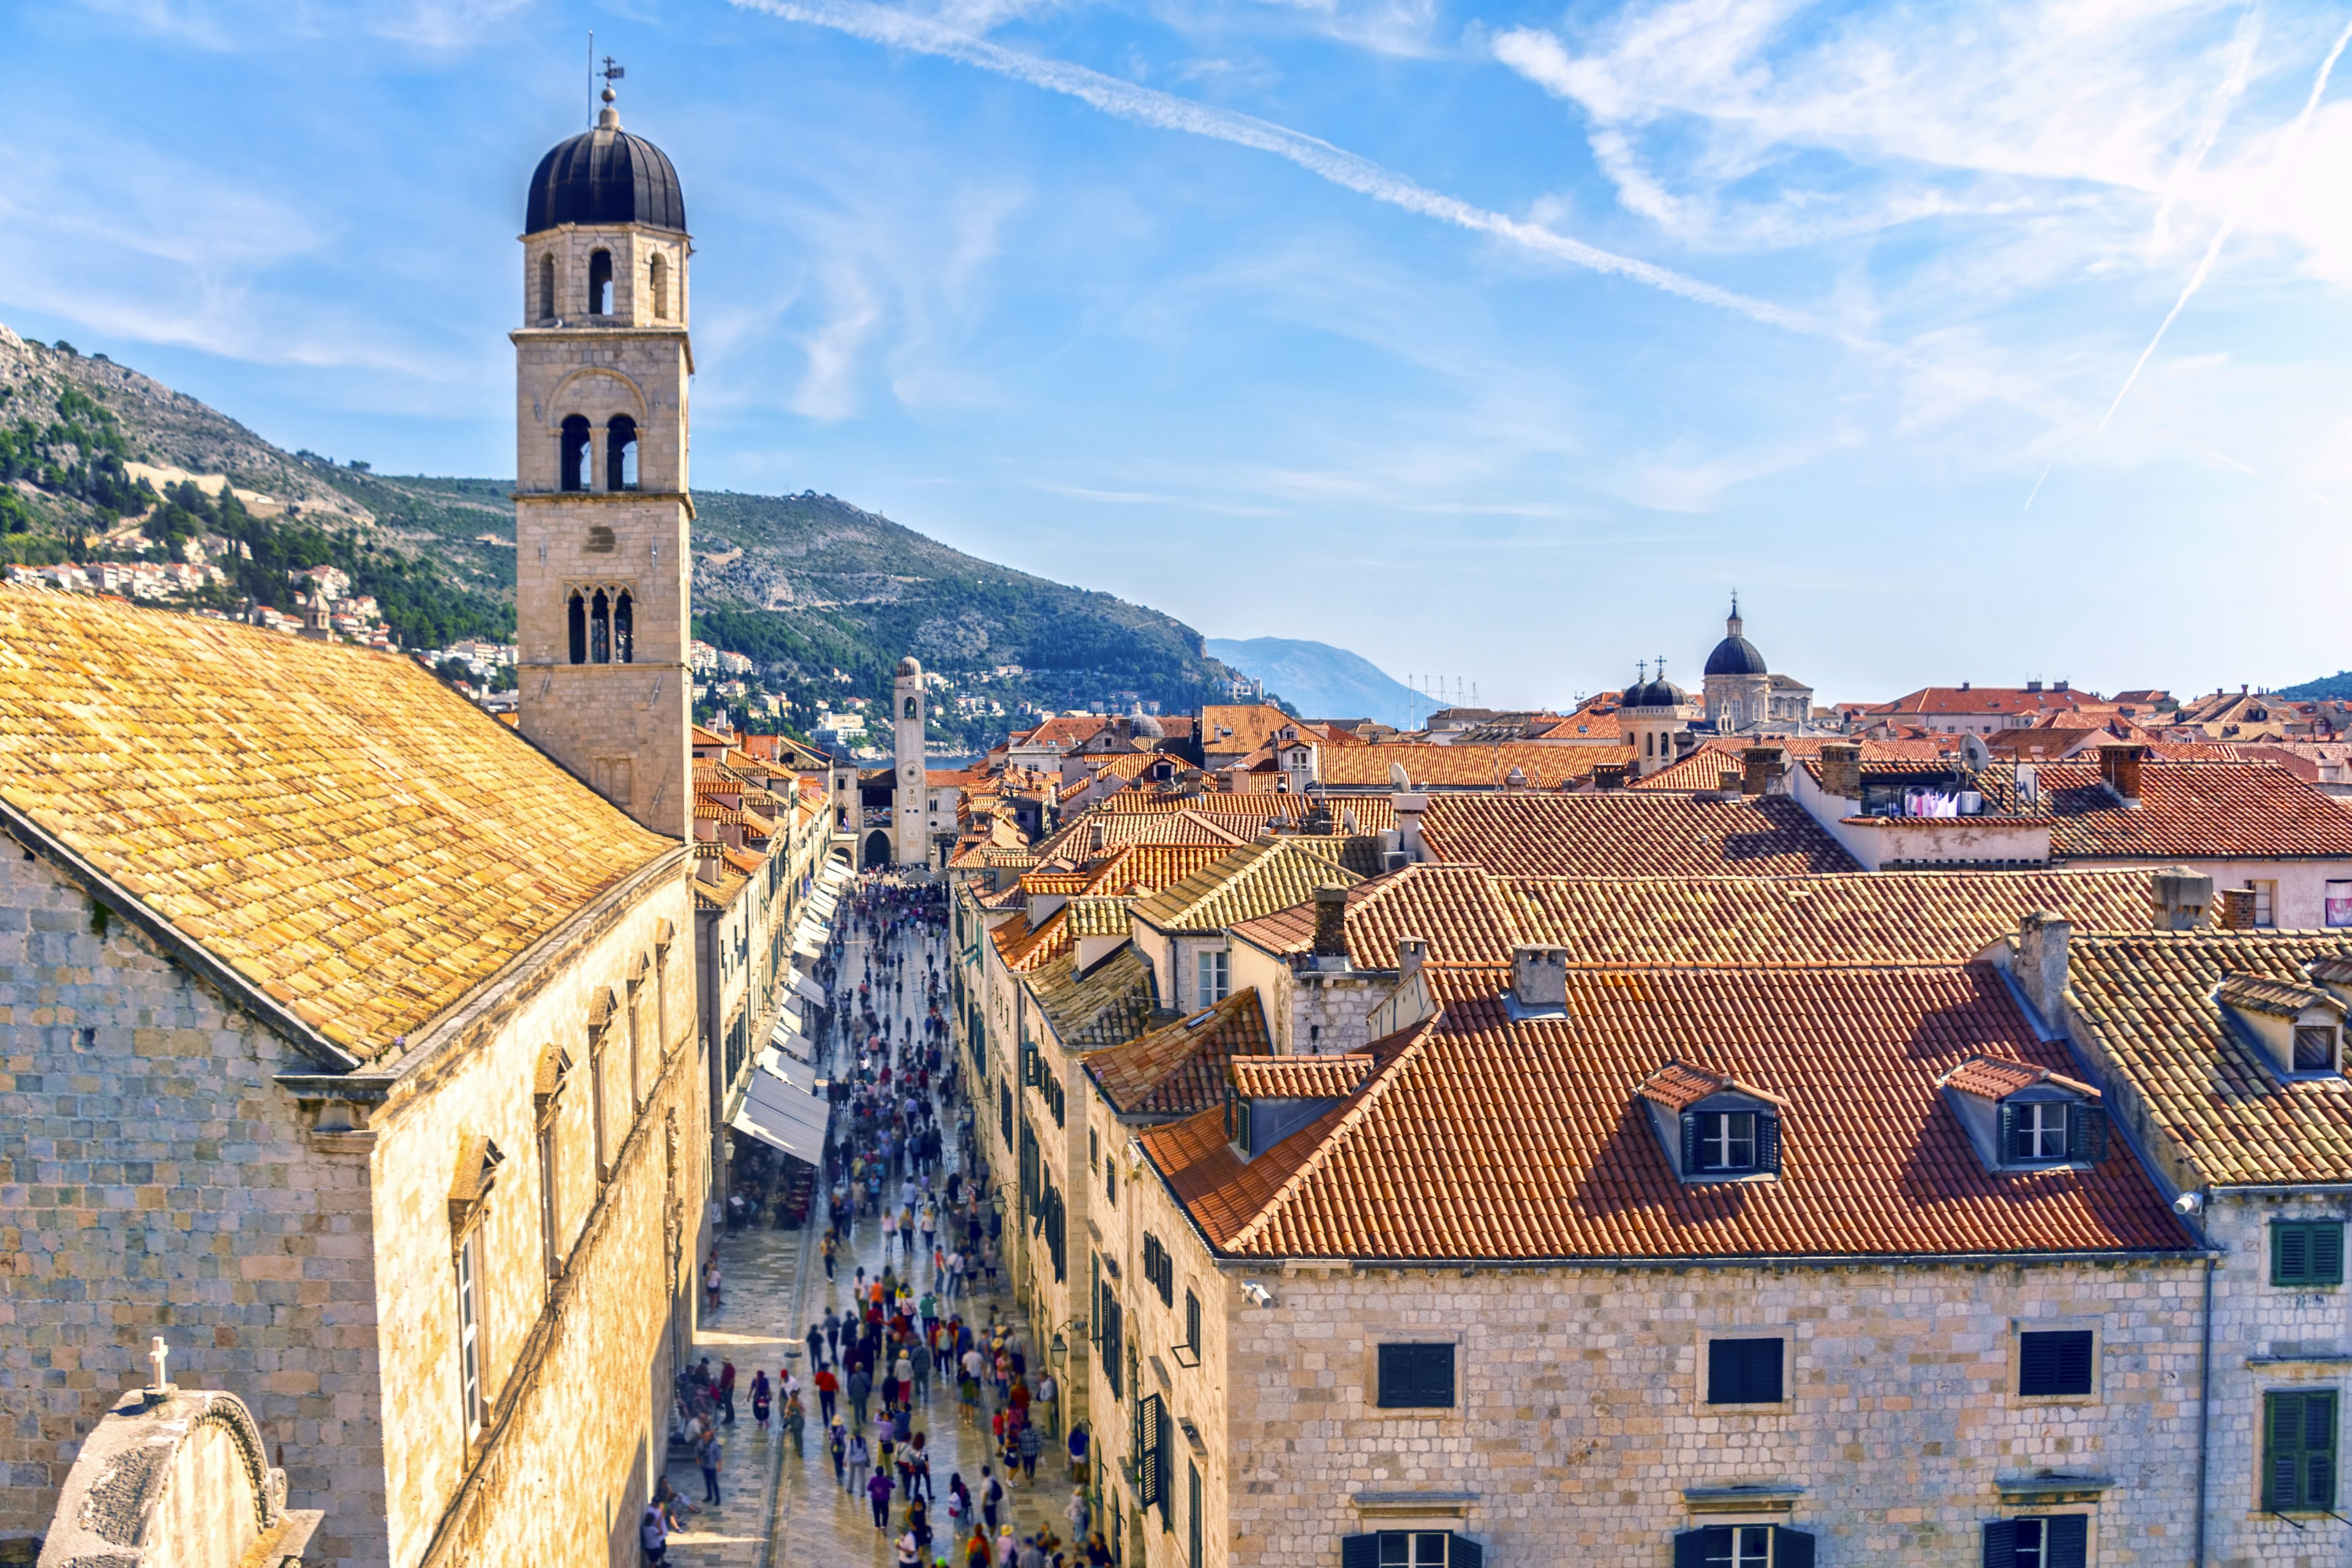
[{"x": 1498, "y": 342}]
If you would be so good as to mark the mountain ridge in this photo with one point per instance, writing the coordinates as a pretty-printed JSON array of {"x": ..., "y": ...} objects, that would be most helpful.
[
  {"x": 1321, "y": 681},
  {"x": 823, "y": 596}
]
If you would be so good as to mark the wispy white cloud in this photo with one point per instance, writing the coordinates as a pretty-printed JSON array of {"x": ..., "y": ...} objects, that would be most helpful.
[{"x": 1147, "y": 106}]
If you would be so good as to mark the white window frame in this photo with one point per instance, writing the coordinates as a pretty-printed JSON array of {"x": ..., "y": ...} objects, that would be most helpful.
[
  {"x": 1715, "y": 1133},
  {"x": 1212, "y": 976},
  {"x": 2045, "y": 1125},
  {"x": 470, "y": 1370}
]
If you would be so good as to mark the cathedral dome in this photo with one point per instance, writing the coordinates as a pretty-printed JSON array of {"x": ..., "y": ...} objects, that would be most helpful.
[
  {"x": 907, "y": 666},
  {"x": 606, "y": 176},
  {"x": 1736, "y": 655},
  {"x": 1653, "y": 693},
  {"x": 1144, "y": 727}
]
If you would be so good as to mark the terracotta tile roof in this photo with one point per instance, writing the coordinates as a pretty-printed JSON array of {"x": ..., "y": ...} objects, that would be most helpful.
[
  {"x": 2146, "y": 1005},
  {"x": 1180, "y": 1068},
  {"x": 1115, "y": 1001},
  {"x": 1469, "y": 916},
  {"x": 748, "y": 864},
  {"x": 2193, "y": 811},
  {"x": 1966, "y": 701},
  {"x": 1252, "y": 724},
  {"x": 1064, "y": 882},
  {"x": 1141, "y": 869},
  {"x": 1024, "y": 947},
  {"x": 1998, "y": 1078},
  {"x": 1577, "y": 727},
  {"x": 2274, "y": 998},
  {"x": 1678, "y": 1087},
  {"x": 1096, "y": 917},
  {"x": 1480, "y": 1138},
  {"x": 1625, "y": 834},
  {"x": 332, "y": 822},
  {"x": 1117, "y": 827},
  {"x": 1463, "y": 767},
  {"x": 1705, "y": 767},
  {"x": 1245, "y": 815},
  {"x": 1253, "y": 880},
  {"x": 1299, "y": 1078}
]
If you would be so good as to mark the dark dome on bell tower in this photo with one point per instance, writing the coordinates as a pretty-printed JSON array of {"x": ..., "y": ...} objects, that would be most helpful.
[{"x": 606, "y": 176}]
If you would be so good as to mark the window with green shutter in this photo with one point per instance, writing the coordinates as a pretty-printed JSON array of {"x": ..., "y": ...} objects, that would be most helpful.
[
  {"x": 2299, "y": 1451},
  {"x": 1411, "y": 1549},
  {"x": 2306, "y": 1252},
  {"x": 1416, "y": 1377},
  {"x": 1744, "y": 1546},
  {"x": 2055, "y": 1541}
]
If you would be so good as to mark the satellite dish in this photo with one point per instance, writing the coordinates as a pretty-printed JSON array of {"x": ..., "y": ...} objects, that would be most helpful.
[
  {"x": 1975, "y": 752},
  {"x": 1397, "y": 779}
]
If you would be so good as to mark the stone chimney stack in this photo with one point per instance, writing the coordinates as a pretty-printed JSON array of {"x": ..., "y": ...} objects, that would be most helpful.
[
  {"x": 1331, "y": 923},
  {"x": 2120, "y": 766},
  {"x": 1539, "y": 978},
  {"x": 1412, "y": 951},
  {"x": 1760, "y": 769},
  {"x": 2236, "y": 909},
  {"x": 1842, "y": 770},
  {"x": 1409, "y": 807},
  {"x": 2040, "y": 968},
  {"x": 2181, "y": 898}
]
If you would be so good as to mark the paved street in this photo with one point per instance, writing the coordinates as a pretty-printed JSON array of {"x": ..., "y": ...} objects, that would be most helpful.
[{"x": 775, "y": 1286}]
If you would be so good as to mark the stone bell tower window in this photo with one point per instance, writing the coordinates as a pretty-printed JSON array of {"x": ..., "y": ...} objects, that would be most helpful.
[
  {"x": 547, "y": 288},
  {"x": 579, "y": 618},
  {"x": 659, "y": 273},
  {"x": 600, "y": 629},
  {"x": 621, "y": 454},
  {"x": 624, "y": 629},
  {"x": 571, "y": 469},
  {"x": 599, "y": 283}
]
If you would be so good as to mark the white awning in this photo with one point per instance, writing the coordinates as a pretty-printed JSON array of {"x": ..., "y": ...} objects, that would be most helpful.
[
  {"x": 839, "y": 873},
  {"x": 810, "y": 991},
  {"x": 801, "y": 1075},
  {"x": 791, "y": 1044},
  {"x": 776, "y": 1104},
  {"x": 793, "y": 1139}
]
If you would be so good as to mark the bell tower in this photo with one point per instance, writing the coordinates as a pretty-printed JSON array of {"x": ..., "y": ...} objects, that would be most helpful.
[
  {"x": 911, "y": 838},
  {"x": 602, "y": 574}
]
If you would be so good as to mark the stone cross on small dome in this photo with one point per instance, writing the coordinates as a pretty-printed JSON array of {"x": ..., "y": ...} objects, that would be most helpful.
[
  {"x": 159, "y": 1356},
  {"x": 609, "y": 118}
]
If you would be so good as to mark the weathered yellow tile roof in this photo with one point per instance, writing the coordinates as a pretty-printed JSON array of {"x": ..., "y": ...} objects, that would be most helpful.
[
  {"x": 1255, "y": 879},
  {"x": 1112, "y": 1003},
  {"x": 355, "y": 839},
  {"x": 2148, "y": 1004}
]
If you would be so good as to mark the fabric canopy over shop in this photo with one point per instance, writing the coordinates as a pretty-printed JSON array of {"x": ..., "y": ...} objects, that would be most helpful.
[
  {"x": 794, "y": 1141},
  {"x": 839, "y": 873},
  {"x": 778, "y": 1106},
  {"x": 810, "y": 991},
  {"x": 801, "y": 1075},
  {"x": 791, "y": 1044}
]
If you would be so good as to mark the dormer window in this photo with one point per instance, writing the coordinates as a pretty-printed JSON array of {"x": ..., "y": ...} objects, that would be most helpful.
[
  {"x": 2298, "y": 1028},
  {"x": 1713, "y": 1127},
  {"x": 2025, "y": 1118}
]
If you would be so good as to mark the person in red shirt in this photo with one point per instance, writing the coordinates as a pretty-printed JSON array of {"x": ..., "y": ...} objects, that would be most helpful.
[{"x": 828, "y": 1385}]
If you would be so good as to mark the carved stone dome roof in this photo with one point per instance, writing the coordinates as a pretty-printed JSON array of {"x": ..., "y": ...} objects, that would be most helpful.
[
  {"x": 1736, "y": 655},
  {"x": 606, "y": 176}
]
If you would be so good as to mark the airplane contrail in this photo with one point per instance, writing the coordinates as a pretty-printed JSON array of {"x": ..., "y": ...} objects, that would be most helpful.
[{"x": 1166, "y": 111}]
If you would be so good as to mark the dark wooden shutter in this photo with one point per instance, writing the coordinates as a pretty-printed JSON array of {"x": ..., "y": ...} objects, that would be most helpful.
[
  {"x": 2055, "y": 1363},
  {"x": 2328, "y": 1252},
  {"x": 2066, "y": 1540},
  {"x": 1144, "y": 1443},
  {"x": 1690, "y": 1144},
  {"x": 2000, "y": 1543},
  {"x": 2290, "y": 1253},
  {"x": 1768, "y": 1142},
  {"x": 2086, "y": 1133},
  {"x": 1690, "y": 1546},
  {"x": 2299, "y": 1451},
  {"x": 2013, "y": 1137},
  {"x": 1464, "y": 1552},
  {"x": 1360, "y": 1552},
  {"x": 1792, "y": 1548}
]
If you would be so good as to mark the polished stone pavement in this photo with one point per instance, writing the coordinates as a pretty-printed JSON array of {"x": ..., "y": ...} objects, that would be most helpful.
[{"x": 783, "y": 1509}]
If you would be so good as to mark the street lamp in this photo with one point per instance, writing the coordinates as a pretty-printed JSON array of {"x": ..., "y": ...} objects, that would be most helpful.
[{"x": 1059, "y": 1353}]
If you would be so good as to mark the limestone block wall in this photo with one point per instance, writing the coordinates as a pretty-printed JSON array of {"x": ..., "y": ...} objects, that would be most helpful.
[
  {"x": 155, "y": 1180},
  {"x": 1580, "y": 1419},
  {"x": 597, "y": 373},
  {"x": 2266, "y": 1339},
  {"x": 1329, "y": 1009},
  {"x": 577, "y": 1364},
  {"x": 621, "y": 730}
]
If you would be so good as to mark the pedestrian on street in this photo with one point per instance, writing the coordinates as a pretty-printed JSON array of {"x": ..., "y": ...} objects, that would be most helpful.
[
  {"x": 828, "y": 1249},
  {"x": 861, "y": 1460},
  {"x": 725, "y": 1392},
  {"x": 652, "y": 1534},
  {"x": 1029, "y": 1445},
  {"x": 1078, "y": 1513},
  {"x": 861, "y": 1389},
  {"x": 992, "y": 1496},
  {"x": 762, "y": 1393},
  {"x": 878, "y": 1487},
  {"x": 709, "y": 1456},
  {"x": 838, "y": 1443},
  {"x": 827, "y": 1387},
  {"x": 795, "y": 1418}
]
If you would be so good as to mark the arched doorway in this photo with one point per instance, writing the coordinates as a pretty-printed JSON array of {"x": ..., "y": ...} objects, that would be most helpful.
[{"x": 877, "y": 848}]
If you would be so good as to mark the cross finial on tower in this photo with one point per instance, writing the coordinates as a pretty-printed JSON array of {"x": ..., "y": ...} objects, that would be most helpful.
[
  {"x": 610, "y": 118},
  {"x": 1659, "y": 663},
  {"x": 1641, "y": 673},
  {"x": 157, "y": 1357}
]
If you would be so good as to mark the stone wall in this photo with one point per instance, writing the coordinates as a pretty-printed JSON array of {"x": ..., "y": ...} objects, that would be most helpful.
[
  {"x": 577, "y": 1364},
  {"x": 155, "y": 1180},
  {"x": 1579, "y": 1419}
]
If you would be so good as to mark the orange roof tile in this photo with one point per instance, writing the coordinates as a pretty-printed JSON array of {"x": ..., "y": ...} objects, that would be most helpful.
[
  {"x": 1631, "y": 834},
  {"x": 1997, "y": 1078},
  {"x": 1480, "y": 1138},
  {"x": 2193, "y": 811},
  {"x": 1299, "y": 1078},
  {"x": 1180, "y": 1068}
]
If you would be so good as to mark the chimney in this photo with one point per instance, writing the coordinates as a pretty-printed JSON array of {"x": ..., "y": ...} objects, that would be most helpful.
[
  {"x": 1609, "y": 775},
  {"x": 1539, "y": 978},
  {"x": 2120, "y": 766},
  {"x": 1331, "y": 923},
  {"x": 2181, "y": 898},
  {"x": 1727, "y": 784},
  {"x": 1412, "y": 951},
  {"x": 2033, "y": 686},
  {"x": 1409, "y": 807},
  {"x": 2236, "y": 909},
  {"x": 2061, "y": 686},
  {"x": 2040, "y": 967},
  {"x": 1842, "y": 770},
  {"x": 1760, "y": 769}
]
